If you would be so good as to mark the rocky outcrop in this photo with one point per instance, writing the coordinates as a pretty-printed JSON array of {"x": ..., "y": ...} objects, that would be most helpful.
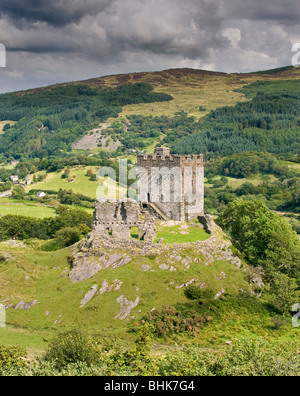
[
  {"x": 89, "y": 295},
  {"x": 21, "y": 305},
  {"x": 86, "y": 264},
  {"x": 99, "y": 252},
  {"x": 126, "y": 307}
]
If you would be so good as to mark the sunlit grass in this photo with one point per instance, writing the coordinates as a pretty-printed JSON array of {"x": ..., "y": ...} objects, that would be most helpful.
[{"x": 26, "y": 209}]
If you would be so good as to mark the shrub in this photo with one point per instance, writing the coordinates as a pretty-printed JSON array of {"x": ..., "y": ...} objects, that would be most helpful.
[
  {"x": 194, "y": 292},
  {"x": 245, "y": 357},
  {"x": 67, "y": 236},
  {"x": 74, "y": 346},
  {"x": 188, "y": 361},
  {"x": 171, "y": 321},
  {"x": 262, "y": 236},
  {"x": 11, "y": 357},
  {"x": 278, "y": 322},
  {"x": 284, "y": 293}
]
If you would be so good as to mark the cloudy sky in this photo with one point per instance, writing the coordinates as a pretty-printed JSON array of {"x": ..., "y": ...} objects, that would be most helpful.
[{"x": 50, "y": 41}]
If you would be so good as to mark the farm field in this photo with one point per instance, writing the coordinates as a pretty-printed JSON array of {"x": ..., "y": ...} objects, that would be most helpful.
[
  {"x": 80, "y": 184},
  {"x": 25, "y": 209}
]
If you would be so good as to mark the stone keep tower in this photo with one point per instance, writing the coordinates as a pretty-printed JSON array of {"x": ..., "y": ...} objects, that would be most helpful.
[{"x": 172, "y": 185}]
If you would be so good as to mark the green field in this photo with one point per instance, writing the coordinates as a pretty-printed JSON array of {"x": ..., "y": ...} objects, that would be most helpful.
[
  {"x": 32, "y": 274},
  {"x": 25, "y": 209},
  {"x": 79, "y": 183},
  {"x": 9, "y": 206}
]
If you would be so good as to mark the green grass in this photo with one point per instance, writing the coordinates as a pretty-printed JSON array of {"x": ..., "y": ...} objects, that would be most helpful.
[
  {"x": 80, "y": 183},
  {"x": 26, "y": 209},
  {"x": 256, "y": 180},
  {"x": 32, "y": 274},
  {"x": 31, "y": 209},
  {"x": 293, "y": 165},
  {"x": 178, "y": 234},
  {"x": 33, "y": 341}
]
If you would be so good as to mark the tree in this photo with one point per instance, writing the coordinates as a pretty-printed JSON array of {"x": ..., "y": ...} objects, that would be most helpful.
[
  {"x": 265, "y": 238},
  {"x": 18, "y": 192},
  {"x": 68, "y": 236},
  {"x": 284, "y": 293},
  {"x": 6, "y": 127}
]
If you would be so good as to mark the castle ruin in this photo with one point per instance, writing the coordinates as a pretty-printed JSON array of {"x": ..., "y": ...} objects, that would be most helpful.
[
  {"x": 116, "y": 218},
  {"x": 172, "y": 185}
]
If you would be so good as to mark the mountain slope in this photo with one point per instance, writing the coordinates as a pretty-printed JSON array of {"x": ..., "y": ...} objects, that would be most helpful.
[{"x": 51, "y": 120}]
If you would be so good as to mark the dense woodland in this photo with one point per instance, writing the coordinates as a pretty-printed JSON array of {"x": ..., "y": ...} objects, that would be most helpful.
[{"x": 269, "y": 122}]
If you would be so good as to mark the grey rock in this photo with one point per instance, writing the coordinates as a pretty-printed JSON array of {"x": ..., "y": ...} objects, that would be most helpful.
[
  {"x": 126, "y": 307},
  {"x": 30, "y": 305},
  {"x": 25, "y": 306},
  {"x": 219, "y": 294},
  {"x": 20, "y": 305},
  {"x": 89, "y": 295},
  {"x": 83, "y": 272},
  {"x": 146, "y": 267},
  {"x": 164, "y": 267}
]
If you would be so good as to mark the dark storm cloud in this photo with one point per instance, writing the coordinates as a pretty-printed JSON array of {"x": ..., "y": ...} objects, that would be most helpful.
[
  {"x": 281, "y": 11},
  {"x": 54, "y": 12},
  {"x": 58, "y": 40}
]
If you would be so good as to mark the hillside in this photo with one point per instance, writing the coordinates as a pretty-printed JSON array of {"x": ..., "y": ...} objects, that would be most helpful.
[
  {"x": 190, "y": 88},
  {"x": 146, "y": 282},
  {"x": 103, "y": 115}
]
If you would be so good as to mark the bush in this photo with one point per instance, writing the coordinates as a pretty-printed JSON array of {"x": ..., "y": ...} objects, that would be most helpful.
[
  {"x": 193, "y": 292},
  {"x": 11, "y": 357},
  {"x": 171, "y": 321},
  {"x": 284, "y": 293},
  {"x": 245, "y": 357},
  {"x": 189, "y": 361},
  {"x": 74, "y": 346},
  {"x": 264, "y": 238},
  {"x": 68, "y": 236},
  {"x": 22, "y": 227},
  {"x": 259, "y": 358}
]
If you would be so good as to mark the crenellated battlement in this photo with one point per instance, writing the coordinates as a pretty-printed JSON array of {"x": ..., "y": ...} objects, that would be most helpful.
[{"x": 166, "y": 156}]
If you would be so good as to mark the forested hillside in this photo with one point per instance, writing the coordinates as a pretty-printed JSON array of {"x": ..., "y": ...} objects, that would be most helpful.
[{"x": 49, "y": 121}]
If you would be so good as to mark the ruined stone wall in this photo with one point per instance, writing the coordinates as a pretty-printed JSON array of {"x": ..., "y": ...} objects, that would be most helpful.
[{"x": 116, "y": 218}]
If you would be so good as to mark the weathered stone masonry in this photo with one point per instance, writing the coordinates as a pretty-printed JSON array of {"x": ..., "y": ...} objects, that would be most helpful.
[
  {"x": 163, "y": 169},
  {"x": 116, "y": 218}
]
